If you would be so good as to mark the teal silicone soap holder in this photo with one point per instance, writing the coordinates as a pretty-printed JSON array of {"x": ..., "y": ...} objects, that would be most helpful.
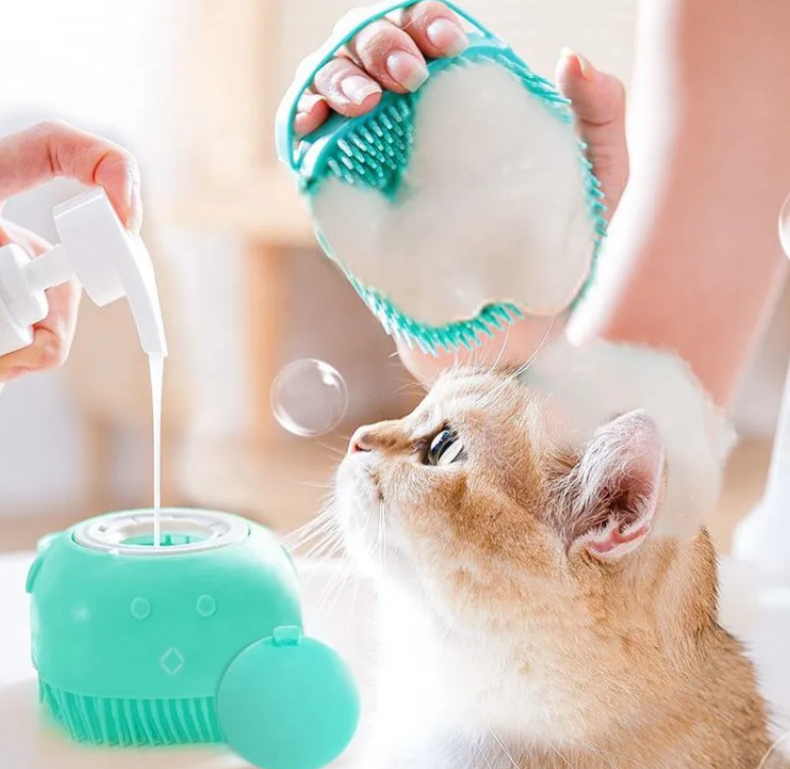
[{"x": 196, "y": 641}]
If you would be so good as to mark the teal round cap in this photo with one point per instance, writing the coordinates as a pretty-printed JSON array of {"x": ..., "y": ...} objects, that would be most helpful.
[{"x": 288, "y": 702}]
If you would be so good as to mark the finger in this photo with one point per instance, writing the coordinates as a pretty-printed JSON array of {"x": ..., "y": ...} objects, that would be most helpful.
[
  {"x": 598, "y": 103},
  {"x": 435, "y": 29},
  {"x": 33, "y": 244},
  {"x": 34, "y": 156},
  {"x": 52, "y": 337},
  {"x": 311, "y": 112},
  {"x": 390, "y": 56},
  {"x": 347, "y": 88}
]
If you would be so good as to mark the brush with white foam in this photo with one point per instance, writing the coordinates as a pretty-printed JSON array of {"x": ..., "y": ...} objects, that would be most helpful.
[{"x": 457, "y": 208}]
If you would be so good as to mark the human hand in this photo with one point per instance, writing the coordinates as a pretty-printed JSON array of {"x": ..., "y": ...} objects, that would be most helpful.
[
  {"x": 30, "y": 158},
  {"x": 391, "y": 54}
]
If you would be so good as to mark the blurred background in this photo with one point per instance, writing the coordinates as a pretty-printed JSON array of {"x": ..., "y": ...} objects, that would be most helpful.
[{"x": 191, "y": 86}]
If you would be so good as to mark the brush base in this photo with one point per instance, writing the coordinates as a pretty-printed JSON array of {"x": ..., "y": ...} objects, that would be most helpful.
[{"x": 118, "y": 722}]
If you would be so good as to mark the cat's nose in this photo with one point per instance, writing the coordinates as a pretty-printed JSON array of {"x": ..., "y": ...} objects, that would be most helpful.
[
  {"x": 361, "y": 440},
  {"x": 383, "y": 436}
]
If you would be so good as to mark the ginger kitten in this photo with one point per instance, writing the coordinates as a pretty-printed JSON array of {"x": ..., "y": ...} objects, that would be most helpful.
[{"x": 530, "y": 619}]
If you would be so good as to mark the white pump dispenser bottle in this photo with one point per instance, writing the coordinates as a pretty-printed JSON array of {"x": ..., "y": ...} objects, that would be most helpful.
[{"x": 107, "y": 260}]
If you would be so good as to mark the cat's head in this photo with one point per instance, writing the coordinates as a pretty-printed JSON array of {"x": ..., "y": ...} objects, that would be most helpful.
[{"x": 484, "y": 497}]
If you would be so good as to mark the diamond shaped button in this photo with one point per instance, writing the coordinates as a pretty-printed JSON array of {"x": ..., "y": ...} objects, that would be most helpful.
[{"x": 172, "y": 661}]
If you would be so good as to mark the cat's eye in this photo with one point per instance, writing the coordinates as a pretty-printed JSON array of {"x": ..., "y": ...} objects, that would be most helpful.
[{"x": 445, "y": 449}]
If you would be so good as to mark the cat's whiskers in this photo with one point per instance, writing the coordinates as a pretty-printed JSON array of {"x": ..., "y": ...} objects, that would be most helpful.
[
  {"x": 320, "y": 485},
  {"x": 319, "y": 537},
  {"x": 504, "y": 748},
  {"x": 525, "y": 366},
  {"x": 308, "y": 539},
  {"x": 317, "y": 520},
  {"x": 380, "y": 534},
  {"x": 603, "y": 753},
  {"x": 480, "y": 752},
  {"x": 503, "y": 348},
  {"x": 773, "y": 751},
  {"x": 484, "y": 755},
  {"x": 323, "y": 523},
  {"x": 579, "y": 746},
  {"x": 560, "y": 756},
  {"x": 325, "y": 549},
  {"x": 335, "y": 585},
  {"x": 411, "y": 387},
  {"x": 367, "y": 518},
  {"x": 333, "y": 449}
]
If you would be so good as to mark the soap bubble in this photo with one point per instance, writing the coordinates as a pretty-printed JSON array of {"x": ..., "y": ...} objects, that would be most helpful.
[{"x": 309, "y": 397}]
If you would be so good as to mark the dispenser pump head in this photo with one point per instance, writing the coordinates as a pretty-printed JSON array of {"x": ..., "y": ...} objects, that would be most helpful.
[{"x": 109, "y": 261}]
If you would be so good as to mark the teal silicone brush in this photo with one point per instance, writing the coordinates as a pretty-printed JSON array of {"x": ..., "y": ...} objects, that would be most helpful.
[
  {"x": 455, "y": 209},
  {"x": 196, "y": 641}
]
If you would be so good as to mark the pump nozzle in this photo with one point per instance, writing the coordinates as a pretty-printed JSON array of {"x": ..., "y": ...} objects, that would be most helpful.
[{"x": 109, "y": 262}]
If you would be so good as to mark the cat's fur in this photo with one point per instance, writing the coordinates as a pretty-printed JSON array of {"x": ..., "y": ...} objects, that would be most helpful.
[{"x": 529, "y": 618}]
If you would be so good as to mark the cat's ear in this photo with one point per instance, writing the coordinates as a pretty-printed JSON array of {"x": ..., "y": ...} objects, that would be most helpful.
[{"x": 614, "y": 490}]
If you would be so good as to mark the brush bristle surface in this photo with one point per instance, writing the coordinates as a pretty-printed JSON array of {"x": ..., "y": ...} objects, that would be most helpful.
[
  {"x": 374, "y": 152},
  {"x": 133, "y": 722}
]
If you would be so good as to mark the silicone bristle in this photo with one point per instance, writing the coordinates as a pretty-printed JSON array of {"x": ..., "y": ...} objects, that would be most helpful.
[
  {"x": 131, "y": 722},
  {"x": 433, "y": 339},
  {"x": 374, "y": 149}
]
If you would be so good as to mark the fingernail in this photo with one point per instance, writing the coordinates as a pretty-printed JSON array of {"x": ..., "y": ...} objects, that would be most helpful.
[
  {"x": 132, "y": 198},
  {"x": 128, "y": 191},
  {"x": 308, "y": 102},
  {"x": 585, "y": 67},
  {"x": 448, "y": 37},
  {"x": 406, "y": 70},
  {"x": 357, "y": 88},
  {"x": 136, "y": 217}
]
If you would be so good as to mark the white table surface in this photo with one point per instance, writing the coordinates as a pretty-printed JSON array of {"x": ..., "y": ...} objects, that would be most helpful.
[{"x": 28, "y": 742}]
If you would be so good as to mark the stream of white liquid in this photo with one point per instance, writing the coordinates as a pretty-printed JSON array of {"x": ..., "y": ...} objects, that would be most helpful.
[{"x": 156, "y": 365}]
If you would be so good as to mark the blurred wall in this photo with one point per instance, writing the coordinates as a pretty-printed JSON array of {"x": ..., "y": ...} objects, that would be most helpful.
[{"x": 107, "y": 65}]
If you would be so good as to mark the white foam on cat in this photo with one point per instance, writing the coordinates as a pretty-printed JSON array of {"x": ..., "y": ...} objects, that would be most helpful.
[
  {"x": 602, "y": 381},
  {"x": 492, "y": 208}
]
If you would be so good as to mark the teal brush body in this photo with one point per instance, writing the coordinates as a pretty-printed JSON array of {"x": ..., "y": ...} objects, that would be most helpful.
[
  {"x": 373, "y": 153},
  {"x": 196, "y": 641}
]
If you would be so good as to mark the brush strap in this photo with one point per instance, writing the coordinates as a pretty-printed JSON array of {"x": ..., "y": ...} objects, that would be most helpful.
[{"x": 351, "y": 24}]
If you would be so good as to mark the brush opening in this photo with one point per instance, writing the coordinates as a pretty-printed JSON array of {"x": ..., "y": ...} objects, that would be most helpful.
[{"x": 182, "y": 531}]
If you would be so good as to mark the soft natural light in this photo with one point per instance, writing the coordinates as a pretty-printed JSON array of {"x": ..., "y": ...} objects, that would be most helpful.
[{"x": 89, "y": 61}]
